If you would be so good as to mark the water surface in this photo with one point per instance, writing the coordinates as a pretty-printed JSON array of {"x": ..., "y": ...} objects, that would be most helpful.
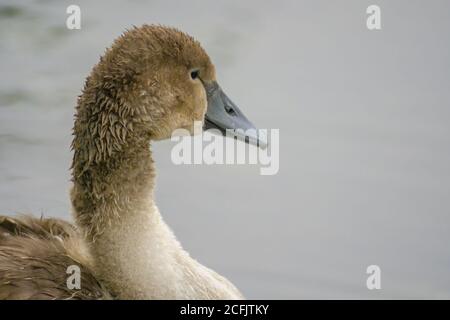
[{"x": 364, "y": 132}]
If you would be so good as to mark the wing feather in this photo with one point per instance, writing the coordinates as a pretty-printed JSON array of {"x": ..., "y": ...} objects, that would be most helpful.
[{"x": 34, "y": 258}]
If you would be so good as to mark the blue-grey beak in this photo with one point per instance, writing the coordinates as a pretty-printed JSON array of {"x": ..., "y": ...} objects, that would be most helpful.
[{"x": 224, "y": 115}]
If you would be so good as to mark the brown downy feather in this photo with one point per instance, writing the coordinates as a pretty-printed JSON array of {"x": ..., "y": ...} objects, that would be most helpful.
[{"x": 34, "y": 257}]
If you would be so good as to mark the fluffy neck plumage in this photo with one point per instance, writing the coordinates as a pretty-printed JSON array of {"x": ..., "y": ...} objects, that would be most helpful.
[{"x": 135, "y": 253}]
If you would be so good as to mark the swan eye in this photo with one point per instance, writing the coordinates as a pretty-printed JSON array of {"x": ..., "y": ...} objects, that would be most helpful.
[{"x": 194, "y": 74}]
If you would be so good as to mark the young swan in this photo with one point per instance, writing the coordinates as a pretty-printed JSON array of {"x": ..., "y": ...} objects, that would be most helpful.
[{"x": 152, "y": 81}]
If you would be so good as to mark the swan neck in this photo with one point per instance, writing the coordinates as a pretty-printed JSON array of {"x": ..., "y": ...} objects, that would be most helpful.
[{"x": 106, "y": 192}]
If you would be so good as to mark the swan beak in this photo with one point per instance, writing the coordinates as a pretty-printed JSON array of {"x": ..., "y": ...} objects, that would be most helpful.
[{"x": 224, "y": 115}]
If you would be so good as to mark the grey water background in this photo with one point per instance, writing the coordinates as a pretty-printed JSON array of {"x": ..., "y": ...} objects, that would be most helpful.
[{"x": 364, "y": 119}]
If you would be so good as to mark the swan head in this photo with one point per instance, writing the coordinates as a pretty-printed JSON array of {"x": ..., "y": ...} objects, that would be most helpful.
[{"x": 150, "y": 82}]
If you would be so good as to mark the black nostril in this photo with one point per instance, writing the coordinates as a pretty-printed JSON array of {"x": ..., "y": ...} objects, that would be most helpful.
[{"x": 230, "y": 110}]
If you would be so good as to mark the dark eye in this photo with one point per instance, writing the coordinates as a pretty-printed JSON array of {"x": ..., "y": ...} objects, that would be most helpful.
[{"x": 195, "y": 74}]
